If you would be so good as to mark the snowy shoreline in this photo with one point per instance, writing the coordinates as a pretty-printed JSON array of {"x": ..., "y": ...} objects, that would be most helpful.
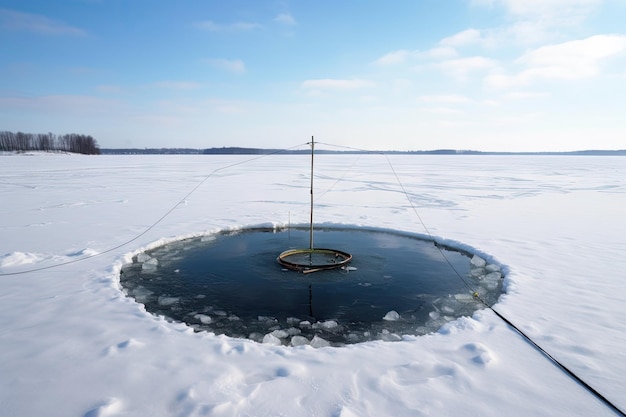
[{"x": 70, "y": 335}]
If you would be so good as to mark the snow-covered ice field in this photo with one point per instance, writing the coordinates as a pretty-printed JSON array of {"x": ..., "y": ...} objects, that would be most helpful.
[{"x": 72, "y": 344}]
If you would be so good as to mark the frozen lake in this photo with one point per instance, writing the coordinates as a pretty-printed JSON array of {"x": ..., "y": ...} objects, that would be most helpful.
[{"x": 69, "y": 334}]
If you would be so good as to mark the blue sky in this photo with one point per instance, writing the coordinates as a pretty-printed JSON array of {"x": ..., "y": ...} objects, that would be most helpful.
[{"x": 500, "y": 75}]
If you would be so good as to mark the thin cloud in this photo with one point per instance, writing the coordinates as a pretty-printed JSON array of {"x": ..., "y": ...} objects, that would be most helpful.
[
  {"x": 549, "y": 7},
  {"x": 210, "y": 26},
  {"x": 462, "y": 67},
  {"x": 570, "y": 60},
  {"x": 178, "y": 85},
  {"x": 393, "y": 58},
  {"x": 335, "y": 84},
  {"x": 550, "y": 12},
  {"x": 463, "y": 38},
  {"x": 231, "y": 65},
  {"x": 525, "y": 95},
  {"x": 79, "y": 104},
  {"x": 403, "y": 56},
  {"x": 27, "y": 22},
  {"x": 109, "y": 89},
  {"x": 445, "y": 98},
  {"x": 285, "y": 19}
]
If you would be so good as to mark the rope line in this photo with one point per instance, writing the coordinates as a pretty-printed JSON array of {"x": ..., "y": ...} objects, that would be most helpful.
[{"x": 155, "y": 223}]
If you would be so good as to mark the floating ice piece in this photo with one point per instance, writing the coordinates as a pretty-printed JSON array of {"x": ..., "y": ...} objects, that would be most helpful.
[
  {"x": 270, "y": 339},
  {"x": 267, "y": 319},
  {"x": 477, "y": 272},
  {"x": 292, "y": 331},
  {"x": 491, "y": 285},
  {"x": 305, "y": 324},
  {"x": 330, "y": 325},
  {"x": 349, "y": 268},
  {"x": 257, "y": 337},
  {"x": 387, "y": 336},
  {"x": 143, "y": 257},
  {"x": 167, "y": 301},
  {"x": 318, "y": 342},
  {"x": 391, "y": 316},
  {"x": 299, "y": 341},
  {"x": 293, "y": 320},
  {"x": 204, "y": 319},
  {"x": 150, "y": 264},
  {"x": 434, "y": 315},
  {"x": 353, "y": 337},
  {"x": 142, "y": 294},
  {"x": 281, "y": 334},
  {"x": 493, "y": 276},
  {"x": 464, "y": 298},
  {"x": 478, "y": 262},
  {"x": 492, "y": 268}
]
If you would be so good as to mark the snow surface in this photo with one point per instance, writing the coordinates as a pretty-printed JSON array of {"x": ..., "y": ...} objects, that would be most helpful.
[{"x": 72, "y": 344}]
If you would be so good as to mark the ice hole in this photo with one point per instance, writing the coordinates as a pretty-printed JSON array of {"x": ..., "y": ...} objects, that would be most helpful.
[{"x": 230, "y": 283}]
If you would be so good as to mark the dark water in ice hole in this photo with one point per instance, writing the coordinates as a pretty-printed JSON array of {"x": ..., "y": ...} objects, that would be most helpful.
[{"x": 230, "y": 283}]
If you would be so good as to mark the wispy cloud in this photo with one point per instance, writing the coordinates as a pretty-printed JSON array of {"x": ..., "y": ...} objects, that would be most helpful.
[
  {"x": 461, "y": 68},
  {"x": 546, "y": 13},
  {"x": 570, "y": 60},
  {"x": 178, "y": 85},
  {"x": 35, "y": 23},
  {"x": 545, "y": 7},
  {"x": 285, "y": 19},
  {"x": 394, "y": 58},
  {"x": 445, "y": 99},
  {"x": 210, "y": 26},
  {"x": 335, "y": 84},
  {"x": 61, "y": 104},
  {"x": 231, "y": 65},
  {"x": 465, "y": 37},
  {"x": 404, "y": 56},
  {"x": 525, "y": 95},
  {"x": 109, "y": 89}
]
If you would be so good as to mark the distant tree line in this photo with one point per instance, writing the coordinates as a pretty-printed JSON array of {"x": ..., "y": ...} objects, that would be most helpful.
[{"x": 48, "y": 142}]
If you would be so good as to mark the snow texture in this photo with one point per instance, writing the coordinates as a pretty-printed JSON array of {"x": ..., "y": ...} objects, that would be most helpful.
[{"x": 73, "y": 344}]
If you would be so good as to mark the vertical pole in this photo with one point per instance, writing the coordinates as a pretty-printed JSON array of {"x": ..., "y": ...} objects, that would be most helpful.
[{"x": 311, "y": 222}]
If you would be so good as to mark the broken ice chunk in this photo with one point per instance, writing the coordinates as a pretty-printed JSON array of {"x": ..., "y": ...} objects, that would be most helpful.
[
  {"x": 493, "y": 276},
  {"x": 167, "y": 301},
  {"x": 477, "y": 272},
  {"x": 299, "y": 341},
  {"x": 143, "y": 257},
  {"x": 391, "y": 316},
  {"x": 204, "y": 319},
  {"x": 150, "y": 264},
  {"x": 318, "y": 342},
  {"x": 478, "y": 262},
  {"x": 281, "y": 334},
  {"x": 270, "y": 339}
]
